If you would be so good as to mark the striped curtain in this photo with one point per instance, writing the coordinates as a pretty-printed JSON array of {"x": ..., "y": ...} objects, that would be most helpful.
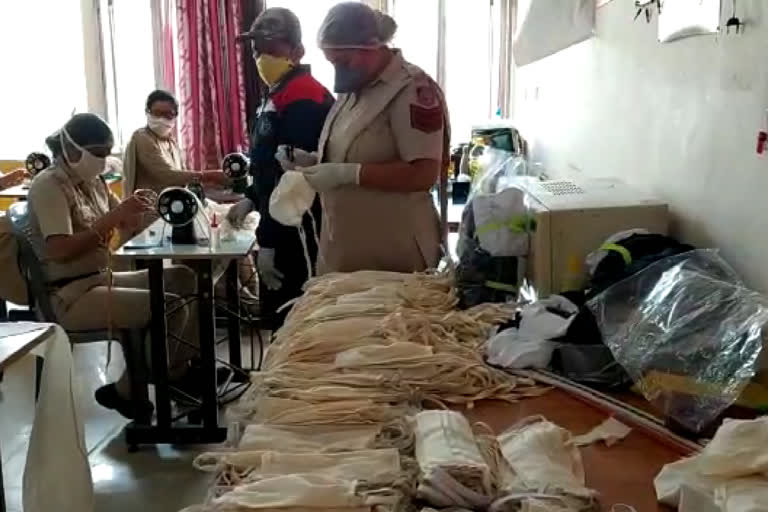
[
  {"x": 211, "y": 82},
  {"x": 163, "y": 41}
]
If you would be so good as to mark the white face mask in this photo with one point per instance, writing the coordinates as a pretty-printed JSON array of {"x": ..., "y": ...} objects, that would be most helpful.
[
  {"x": 291, "y": 199},
  {"x": 160, "y": 125},
  {"x": 89, "y": 166}
]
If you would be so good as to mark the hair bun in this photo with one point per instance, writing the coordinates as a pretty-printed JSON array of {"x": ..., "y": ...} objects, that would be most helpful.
[{"x": 387, "y": 27}]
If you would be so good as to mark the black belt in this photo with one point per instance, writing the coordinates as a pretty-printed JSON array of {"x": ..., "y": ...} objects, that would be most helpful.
[{"x": 61, "y": 283}]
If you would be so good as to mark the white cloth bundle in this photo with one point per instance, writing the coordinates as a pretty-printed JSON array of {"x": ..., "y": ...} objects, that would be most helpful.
[
  {"x": 356, "y": 465},
  {"x": 452, "y": 469},
  {"x": 300, "y": 439},
  {"x": 390, "y": 355},
  {"x": 291, "y": 199},
  {"x": 293, "y": 490},
  {"x": 738, "y": 449},
  {"x": 729, "y": 475},
  {"x": 547, "y": 468}
]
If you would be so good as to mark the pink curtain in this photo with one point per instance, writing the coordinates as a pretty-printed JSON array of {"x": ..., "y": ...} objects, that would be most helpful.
[{"x": 211, "y": 85}]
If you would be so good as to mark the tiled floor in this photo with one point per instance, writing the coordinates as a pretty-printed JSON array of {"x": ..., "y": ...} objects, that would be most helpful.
[{"x": 157, "y": 479}]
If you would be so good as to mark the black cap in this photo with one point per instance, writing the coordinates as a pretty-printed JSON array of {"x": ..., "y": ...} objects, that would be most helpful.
[{"x": 274, "y": 24}]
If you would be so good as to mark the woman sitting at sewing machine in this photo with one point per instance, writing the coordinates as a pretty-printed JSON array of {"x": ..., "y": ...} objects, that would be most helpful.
[
  {"x": 152, "y": 158},
  {"x": 73, "y": 216}
]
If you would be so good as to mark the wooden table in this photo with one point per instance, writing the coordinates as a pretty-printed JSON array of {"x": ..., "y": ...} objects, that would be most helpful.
[
  {"x": 13, "y": 346},
  {"x": 623, "y": 473}
]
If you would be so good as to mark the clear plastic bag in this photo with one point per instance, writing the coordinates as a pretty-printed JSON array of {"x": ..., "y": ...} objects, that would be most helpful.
[
  {"x": 503, "y": 170},
  {"x": 687, "y": 331},
  {"x": 491, "y": 246}
]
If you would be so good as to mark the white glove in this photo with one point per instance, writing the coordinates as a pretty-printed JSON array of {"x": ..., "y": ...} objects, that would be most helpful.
[
  {"x": 265, "y": 262},
  {"x": 325, "y": 177},
  {"x": 239, "y": 211},
  {"x": 300, "y": 158}
]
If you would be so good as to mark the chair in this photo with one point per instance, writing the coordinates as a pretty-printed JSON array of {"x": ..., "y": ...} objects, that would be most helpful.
[{"x": 39, "y": 302}]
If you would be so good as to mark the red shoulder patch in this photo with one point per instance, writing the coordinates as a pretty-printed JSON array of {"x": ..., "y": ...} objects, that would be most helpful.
[
  {"x": 427, "y": 120},
  {"x": 426, "y": 95}
]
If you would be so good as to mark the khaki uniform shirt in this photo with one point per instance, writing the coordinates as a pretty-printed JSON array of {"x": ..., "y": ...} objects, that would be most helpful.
[
  {"x": 152, "y": 163},
  {"x": 401, "y": 116},
  {"x": 62, "y": 204}
]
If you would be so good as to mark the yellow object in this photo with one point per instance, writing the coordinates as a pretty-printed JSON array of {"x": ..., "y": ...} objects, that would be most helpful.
[
  {"x": 10, "y": 165},
  {"x": 754, "y": 396},
  {"x": 623, "y": 251},
  {"x": 272, "y": 69},
  {"x": 116, "y": 187}
]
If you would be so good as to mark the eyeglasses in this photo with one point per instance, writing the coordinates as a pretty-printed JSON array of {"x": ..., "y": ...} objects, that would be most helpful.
[{"x": 164, "y": 114}]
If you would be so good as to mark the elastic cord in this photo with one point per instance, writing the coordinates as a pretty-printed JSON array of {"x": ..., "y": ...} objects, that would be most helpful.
[
  {"x": 303, "y": 238},
  {"x": 317, "y": 238}
]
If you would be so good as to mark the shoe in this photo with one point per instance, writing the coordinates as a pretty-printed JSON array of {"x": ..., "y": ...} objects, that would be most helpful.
[{"x": 108, "y": 397}]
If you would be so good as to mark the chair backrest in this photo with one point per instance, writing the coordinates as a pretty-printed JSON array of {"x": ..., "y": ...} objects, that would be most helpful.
[{"x": 29, "y": 261}]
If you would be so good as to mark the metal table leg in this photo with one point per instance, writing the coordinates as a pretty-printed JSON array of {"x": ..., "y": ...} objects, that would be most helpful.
[
  {"x": 210, "y": 408},
  {"x": 159, "y": 343},
  {"x": 164, "y": 431},
  {"x": 233, "y": 314}
]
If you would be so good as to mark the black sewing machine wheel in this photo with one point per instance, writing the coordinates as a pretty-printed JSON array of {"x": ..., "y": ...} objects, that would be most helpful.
[
  {"x": 177, "y": 206},
  {"x": 37, "y": 162},
  {"x": 235, "y": 165}
]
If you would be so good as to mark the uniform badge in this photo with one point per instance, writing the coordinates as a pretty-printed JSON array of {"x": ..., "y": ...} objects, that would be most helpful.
[
  {"x": 426, "y": 96},
  {"x": 427, "y": 120}
]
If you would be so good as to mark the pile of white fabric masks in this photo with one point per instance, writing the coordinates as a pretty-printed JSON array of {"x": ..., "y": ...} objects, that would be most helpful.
[
  {"x": 534, "y": 466},
  {"x": 729, "y": 475},
  {"x": 325, "y": 424}
]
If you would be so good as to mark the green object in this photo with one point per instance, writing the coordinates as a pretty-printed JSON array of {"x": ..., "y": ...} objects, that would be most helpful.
[
  {"x": 517, "y": 224},
  {"x": 503, "y": 287},
  {"x": 625, "y": 254}
]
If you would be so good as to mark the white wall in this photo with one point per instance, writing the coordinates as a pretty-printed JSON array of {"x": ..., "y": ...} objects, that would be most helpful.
[{"x": 680, "y": 118}]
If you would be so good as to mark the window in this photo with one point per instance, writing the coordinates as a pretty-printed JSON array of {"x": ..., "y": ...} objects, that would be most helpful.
[
  {"x": 469, "y": 65},
  {"x": 44, "y": 79},
  {"x": 469, "y": 62},
  {"x": 417, "y": 32},
  {"x": 129, "y": 72}
]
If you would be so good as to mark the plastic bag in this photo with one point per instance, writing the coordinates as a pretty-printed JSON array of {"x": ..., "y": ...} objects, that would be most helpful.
[
  {"x": 503, "y": 169},
  {"x": 509, "y": 349},
  {"x": 490, "y": 245},
  {"x": 687, "y": 331}
]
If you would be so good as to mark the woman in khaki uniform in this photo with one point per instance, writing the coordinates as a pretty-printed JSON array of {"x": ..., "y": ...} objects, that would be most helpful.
[
  {"x": 153, "y": 158},
  {"x": 73, "y": 214},
  {"x": 381, "y": 151}
]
